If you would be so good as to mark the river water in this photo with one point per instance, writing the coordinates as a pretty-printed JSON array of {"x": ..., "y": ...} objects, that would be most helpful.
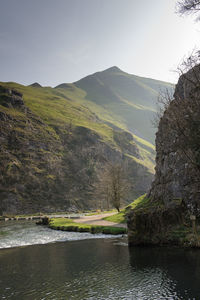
[{"x": 40, "y": 263}]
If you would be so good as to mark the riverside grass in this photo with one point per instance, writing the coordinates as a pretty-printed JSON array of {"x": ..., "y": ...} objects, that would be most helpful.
[
  {"x": 121, "y": 216},
  {"x": 65, "y": 224}
]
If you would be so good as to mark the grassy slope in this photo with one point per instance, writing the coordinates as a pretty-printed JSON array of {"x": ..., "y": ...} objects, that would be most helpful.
[
  {"x": 56, "y": 109},
  {"x": 120, "y": 217},
  {"x": 124, "y": 102},
  {"x": 129, "y": 99},
  {"x": 61, "y": 107}
]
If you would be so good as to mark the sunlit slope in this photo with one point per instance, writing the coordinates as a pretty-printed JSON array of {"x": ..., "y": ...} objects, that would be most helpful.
[
  {"x": 53, "y": 142},
  {"x": 60, "y": 108},
  {"x": 124, "y": 100},
  {"x": 57, "y": 110}
]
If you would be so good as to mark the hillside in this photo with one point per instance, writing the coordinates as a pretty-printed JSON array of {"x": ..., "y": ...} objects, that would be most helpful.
[
  {"x": 120, "y": 99},
  {"x": 53, "y": 141}
]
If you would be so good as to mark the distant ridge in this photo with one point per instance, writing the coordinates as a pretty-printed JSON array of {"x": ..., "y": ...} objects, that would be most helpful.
[
  {"x": 124, "y": 100},
  {"x": 66, "y": 86},
  {"x": 35, "y": 85}
]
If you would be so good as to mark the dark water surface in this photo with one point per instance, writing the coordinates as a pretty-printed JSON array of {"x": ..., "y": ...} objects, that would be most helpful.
[{"x": 98, "y": 269}]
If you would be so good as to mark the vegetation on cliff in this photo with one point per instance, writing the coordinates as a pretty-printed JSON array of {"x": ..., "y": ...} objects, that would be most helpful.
[{"x": 151, "y": 222}]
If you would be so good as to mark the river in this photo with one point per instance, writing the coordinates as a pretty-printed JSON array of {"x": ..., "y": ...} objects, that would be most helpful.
[{"x": 40, "y": 263}]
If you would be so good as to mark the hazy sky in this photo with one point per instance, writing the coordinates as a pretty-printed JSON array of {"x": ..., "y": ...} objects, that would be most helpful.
[{"x": 56, "y": 41}]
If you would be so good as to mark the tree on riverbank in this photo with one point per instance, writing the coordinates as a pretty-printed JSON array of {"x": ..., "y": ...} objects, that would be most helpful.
[{"x": 112, "y": 186}]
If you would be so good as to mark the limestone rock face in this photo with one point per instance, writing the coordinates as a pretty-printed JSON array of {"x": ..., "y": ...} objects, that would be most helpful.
[
  {"x": 175, "y": 192},
  {"x": 176, "y": 173}
]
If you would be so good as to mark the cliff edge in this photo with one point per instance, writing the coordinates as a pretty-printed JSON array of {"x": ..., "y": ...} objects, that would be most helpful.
[{"x": 173, "y": 202}]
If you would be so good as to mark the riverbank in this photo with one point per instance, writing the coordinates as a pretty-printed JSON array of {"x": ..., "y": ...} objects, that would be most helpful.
[
  {"x": 92, "y": 224},
  {"x": 100, "y": 219},
  {"x": 39, "y": 217}
]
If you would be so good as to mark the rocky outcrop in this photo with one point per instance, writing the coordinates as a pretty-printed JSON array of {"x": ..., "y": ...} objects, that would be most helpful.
[
  {"x": 176, "y": 168},
  {"x": 175, "y": 192},
  {"x": 11, "y": 98}
]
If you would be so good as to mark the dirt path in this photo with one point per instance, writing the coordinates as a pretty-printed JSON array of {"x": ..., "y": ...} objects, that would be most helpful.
[{"x": 97, "y": 220}]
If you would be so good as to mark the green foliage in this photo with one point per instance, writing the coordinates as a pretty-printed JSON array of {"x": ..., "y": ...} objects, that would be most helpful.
[{"x": 69, "y": 225}]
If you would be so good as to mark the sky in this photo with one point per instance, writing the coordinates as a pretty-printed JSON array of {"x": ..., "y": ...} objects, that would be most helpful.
[{"x": 56, "y": 41}]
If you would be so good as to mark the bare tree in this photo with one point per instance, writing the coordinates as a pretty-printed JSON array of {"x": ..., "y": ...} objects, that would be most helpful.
[
  {"x": 183, "y": 112},
  {"x": 164, "y": 99},
  {"x": 188, "y": 6},
  {"x": 112, "y": 186}
]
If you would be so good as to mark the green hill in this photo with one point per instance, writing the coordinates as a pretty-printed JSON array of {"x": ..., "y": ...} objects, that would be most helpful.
[
  {"x": 53, "y": 140},
  {"x": 120, "y": 99}
]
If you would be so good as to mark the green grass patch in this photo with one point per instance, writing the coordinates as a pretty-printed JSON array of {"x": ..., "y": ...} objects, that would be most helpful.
[
  {"x": 69, "y": 225},
  {"x": 117, "y": 218},
  {"x": 140, "y": 202},
  {"x": 120, "y": 217}
]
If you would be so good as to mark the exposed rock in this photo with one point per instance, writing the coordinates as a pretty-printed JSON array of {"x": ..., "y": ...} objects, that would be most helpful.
[
  {"x": 11, "y": 98},
  {"x": 176, "y": 175},
  {"x": 175, "y": 192}
]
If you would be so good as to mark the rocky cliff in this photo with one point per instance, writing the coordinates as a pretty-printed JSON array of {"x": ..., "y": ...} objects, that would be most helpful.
[
  {"x": 175, "y": 193},
  {"x": 51, "y": 166}
]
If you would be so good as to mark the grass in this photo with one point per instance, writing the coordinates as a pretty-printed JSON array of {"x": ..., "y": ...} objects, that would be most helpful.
[
  {"x": 140, "y": 202},
  {"x": 69, "y": 225},
  {"x": 117, "y": 218},
  {"x": 120, "y": 217},
  {"x": 59, "y": 107},
  {"x": 58, "y": 110}
]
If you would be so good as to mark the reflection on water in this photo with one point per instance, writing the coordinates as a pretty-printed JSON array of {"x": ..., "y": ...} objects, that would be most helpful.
[{"x": 98, "y": 269}]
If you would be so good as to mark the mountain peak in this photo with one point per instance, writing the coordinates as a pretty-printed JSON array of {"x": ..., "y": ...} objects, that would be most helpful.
[
  {"x": 113, "y": 69},
  {"x": 36, "y": 85}
]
